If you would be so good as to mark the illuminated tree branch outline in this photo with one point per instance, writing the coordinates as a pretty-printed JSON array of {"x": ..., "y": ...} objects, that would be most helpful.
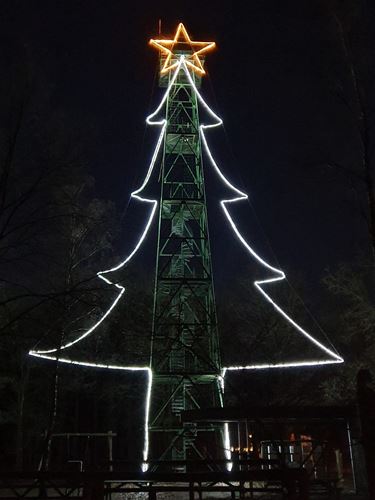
[{"x": 279, "y": 275}]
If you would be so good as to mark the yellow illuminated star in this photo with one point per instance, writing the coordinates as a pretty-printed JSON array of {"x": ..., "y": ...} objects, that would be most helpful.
[{"x": 182, "y": 42}]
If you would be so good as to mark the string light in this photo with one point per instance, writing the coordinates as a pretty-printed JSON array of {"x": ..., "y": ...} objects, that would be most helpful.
[
  {"x": 294, "y": 364},
  {"x": 135, "y": 194},
  {"x": 45, "y": 354},
  {"x": 182, "y": 37},
  {"x": 89, "y": 364},
  {"x": 146, "y": 369},
  {"x": 279, "y": 275},
  {"x": 227, "y": 446}
]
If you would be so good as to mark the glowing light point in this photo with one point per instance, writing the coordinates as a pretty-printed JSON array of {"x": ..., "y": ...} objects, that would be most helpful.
[{"x": 182, "y": 43}]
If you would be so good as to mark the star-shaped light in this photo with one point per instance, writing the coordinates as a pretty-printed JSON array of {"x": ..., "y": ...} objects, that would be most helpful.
[{"x": 182, "y": 42}]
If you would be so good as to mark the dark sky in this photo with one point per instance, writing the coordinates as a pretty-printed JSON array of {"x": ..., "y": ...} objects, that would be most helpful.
[{"x": 273, "y": 79}]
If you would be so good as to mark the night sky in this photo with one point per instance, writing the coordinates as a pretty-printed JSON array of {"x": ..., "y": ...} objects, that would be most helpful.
[{"x": 273, "y": 79}]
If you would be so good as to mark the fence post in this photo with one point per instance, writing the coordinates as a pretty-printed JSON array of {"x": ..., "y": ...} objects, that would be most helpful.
[{"x": 191, "y": 490}]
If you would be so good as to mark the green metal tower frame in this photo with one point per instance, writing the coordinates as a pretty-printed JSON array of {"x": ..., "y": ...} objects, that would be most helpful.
[{"x": 185, "y": 357}]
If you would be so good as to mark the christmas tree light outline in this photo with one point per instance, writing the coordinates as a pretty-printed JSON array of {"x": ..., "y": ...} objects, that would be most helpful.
[{"x": 280, "y": 275}]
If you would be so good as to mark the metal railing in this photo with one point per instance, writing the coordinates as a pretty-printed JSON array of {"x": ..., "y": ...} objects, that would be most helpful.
[{"x": 254, "y": 477}]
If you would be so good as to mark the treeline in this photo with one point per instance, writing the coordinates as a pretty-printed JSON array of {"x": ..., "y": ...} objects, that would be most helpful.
[{"x": 55, "y": 235}]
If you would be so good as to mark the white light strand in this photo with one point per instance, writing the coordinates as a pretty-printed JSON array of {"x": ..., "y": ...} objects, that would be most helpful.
[
  {"x": 88, "y": 364},
  {"x": 292, "y": 364},
  {"x": 135, "y": 194},
  {"x": 146, "y": 445},
  {"x": 280, "y": 275},
  {"x": 227, "y": 447}
]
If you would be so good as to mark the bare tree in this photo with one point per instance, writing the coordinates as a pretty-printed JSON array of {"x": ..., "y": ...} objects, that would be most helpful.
[{"x": 353, "y": 21}]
